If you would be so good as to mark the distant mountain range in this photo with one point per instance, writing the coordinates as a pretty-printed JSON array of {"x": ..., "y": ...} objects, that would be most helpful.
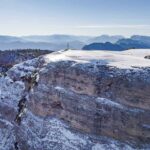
[
  {"x": 105, "y": 38},
  {"x": 52, "y": 42},
  {"x": 135, "y": 42},
  {"x": 57, "y": 42},
  {"x": 103, "y": 46},
  {"x": 144, "y": 39}
]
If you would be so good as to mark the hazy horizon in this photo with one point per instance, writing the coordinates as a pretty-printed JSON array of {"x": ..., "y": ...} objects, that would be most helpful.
[
  {"x": 28, "y": 35},
  {"x": 74, "y": 17}
]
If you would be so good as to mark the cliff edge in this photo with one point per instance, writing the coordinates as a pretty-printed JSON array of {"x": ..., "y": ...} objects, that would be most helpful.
[{"x": 77, "y": 100}]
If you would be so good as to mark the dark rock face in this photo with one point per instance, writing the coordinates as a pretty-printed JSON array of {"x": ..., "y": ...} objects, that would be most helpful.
[
  {"x": 10, "y": 58},
  {"x": 147, "y": 57},
  {"x": 96, "y": 101},
  {"x": 113, "y": 104}
]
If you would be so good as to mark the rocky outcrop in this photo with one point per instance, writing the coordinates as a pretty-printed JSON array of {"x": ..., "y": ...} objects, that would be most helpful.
[
  {"x": 147, "y": 57},
  {"x": 76, "y": 104},
  {"x": 9, "y": 58}
]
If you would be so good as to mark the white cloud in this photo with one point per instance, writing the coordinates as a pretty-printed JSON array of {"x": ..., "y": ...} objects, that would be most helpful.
[{"x": 113, "y": 26}]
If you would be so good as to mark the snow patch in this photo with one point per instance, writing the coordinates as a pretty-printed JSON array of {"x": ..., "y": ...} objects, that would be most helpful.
[
  {"x": 53, "y": 133},
  {"x": 10, "y": 91},
  {"x": 125, "y": 59},
  {"x": 105, "y": 101},
  {"x": 112, "y": 146}
]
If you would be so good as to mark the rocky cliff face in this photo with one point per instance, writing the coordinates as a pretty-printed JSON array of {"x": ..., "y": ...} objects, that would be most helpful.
[{"x": 79, "y": 100}]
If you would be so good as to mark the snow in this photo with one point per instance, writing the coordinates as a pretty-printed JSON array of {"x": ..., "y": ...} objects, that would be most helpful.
[
  {"x": 23, "y": 69},
  {"x": 105, "y": 101},
  {"x": 112, "y": 146},
  {"x": 59, "y": 88},
  {"x": 50, "y": 131},
  {"x": 113, "y": 104},
  {"x": 6, "y": 122},
  {"x": 6, "y": 135},
  {"x": 137, "y": 52},
  {"x": 53, "y": 133},
  {"x": 130, "y": 59},
  {"x": 10, "y": 92},
  {"x": 122, "y": 59},
  {"x": 147, "y": 126}
]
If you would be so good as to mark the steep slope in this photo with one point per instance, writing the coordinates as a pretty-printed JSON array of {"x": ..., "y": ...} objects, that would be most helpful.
[{"x": 82, "y": 99}]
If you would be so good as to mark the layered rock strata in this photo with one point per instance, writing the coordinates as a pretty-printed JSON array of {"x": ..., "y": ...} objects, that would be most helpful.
[{"x": 77, "y": 104}]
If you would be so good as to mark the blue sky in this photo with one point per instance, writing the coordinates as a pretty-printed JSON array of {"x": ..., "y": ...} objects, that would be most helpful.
[{"x": 79, "y": 17}]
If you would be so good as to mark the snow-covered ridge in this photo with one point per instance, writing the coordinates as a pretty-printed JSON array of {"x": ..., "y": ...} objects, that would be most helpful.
[{"x": 124, "y": 59}]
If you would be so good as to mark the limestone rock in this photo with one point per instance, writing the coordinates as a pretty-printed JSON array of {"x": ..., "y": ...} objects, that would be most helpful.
[{"x": 83, "y": 101}]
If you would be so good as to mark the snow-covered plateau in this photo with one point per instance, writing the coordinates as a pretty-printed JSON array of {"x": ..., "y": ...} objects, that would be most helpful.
[{"x": 77, "y": 100}]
